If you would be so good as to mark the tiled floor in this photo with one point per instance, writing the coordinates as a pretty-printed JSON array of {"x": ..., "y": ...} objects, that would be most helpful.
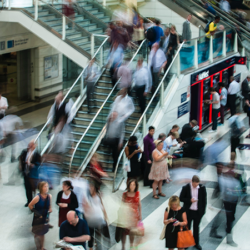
[{"x": 15, "y": 219}]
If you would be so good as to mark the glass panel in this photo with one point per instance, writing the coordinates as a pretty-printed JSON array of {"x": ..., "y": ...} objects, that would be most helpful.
[
  {"x": 187, "y": 55},
  {"x": 203, "y": 49},
  {"x": 230, "y": 40},
  {"x": 217, "y": 44}
]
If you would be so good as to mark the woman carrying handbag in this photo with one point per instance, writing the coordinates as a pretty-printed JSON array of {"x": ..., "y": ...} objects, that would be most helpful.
[{"x": 175, "y": 217}]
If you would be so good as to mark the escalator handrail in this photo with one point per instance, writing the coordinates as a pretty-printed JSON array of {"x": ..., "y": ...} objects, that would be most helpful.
[
  {"x": 146, "y": 109},
  {"x": 100, "y": 109},
  {"x": 67, "y": 94}
]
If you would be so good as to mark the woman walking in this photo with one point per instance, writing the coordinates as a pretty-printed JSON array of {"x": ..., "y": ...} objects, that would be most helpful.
[
  {"x": 41, "y": 207},
  {"x": 174, "y": 217},
  {"x": 132, "y": 199},
  {"x": 133, "y": 152},
  {"x": 66, "y": 200},
  {"x": 159, "y": 169}
]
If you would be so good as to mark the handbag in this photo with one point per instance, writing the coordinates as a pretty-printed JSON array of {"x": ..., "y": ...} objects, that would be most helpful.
[
  {"x": 126, "y": 166},
  {"x": 185, "y": 238},
  {"x": 163, "y": 232},
  {"x": 139, "y": 230}
]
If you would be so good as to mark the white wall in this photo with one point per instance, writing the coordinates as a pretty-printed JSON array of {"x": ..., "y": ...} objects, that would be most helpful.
[
  {"x": 41, "y": 86},
  {"x": 166, "y": 15}
]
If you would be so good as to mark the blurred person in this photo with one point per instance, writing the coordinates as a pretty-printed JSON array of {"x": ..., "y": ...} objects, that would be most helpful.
[
  {"x": 133, "y": 152},
  {"x": 41, "y": 207},
  {"x": 188, "y": 131},
  {"x": 74, "y": 230},
  {"x": 194, "y": 197},
  {"x": 121, "y": 36},
  {"x": 66, "y": 200},
  {"x": 206, "y": 105},
  {"x": 139, "y": 32},
  {"x": 121, "y": 110},
  {"x": 172, "y": 45},
  {"x": 165, "y": 40},
  {"x": 143, "y": 83},
  {"x": 108, "y": 31},
  {"x": 212, "y": 28},
  {"x": 230, "y": 187},
  {"x": 159, "y": 169},
  {"x": 158, "y": 62},
  {"x": 162, "y": 137},
  {"x": 174, "y": 217},
  {"x": 225, "y": 6},
  {"x": 216, "y": 108},
  {"x": 223, "y": 101},
  {"x": 95, "y": 214},
  {"x": 237, "y": 128},
  {"x": 186, "y": 29},
  {"x": 3, "y": 105},
  {"x": 57, "y": 110},
  {"x": 132, "y": 198},
  {"x": 171, "y": 142},
  {"x": 175, "y": 128},
  {"x": 91, "y": 75},
  {"x": 245, "y": 90},
  {"x": 209, "y": 8},
  {"x": 96, "y": 169},
  {"x": 233, "y": 89},
  {"x": 68, "y": 11},
  {"x": 149, "y": 146},
  {"x": 28, "y": 160},
  {"x": 158, "y": 33},
  {"x": 124, "y": 72}
]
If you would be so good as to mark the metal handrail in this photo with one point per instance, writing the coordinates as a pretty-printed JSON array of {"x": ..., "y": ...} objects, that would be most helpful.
[
  {"x": 145, "y": 111},
  {"x": 98, "y": 112},
  {"x": 46, "y": 124}
]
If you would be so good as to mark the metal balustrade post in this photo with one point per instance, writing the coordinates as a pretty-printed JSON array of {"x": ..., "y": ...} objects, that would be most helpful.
[
  {"x": 82, "y": 84},
  {"x": 243, "y": 52},
  {"x": 92, "y": 45},
  {"x": 104, "y": 3},
  {"x": 144, "y": 126},
  {"x": 211, "y": 49},
  {"x": 162, "y": 95},
  {"x": 63, "y": 27},
  {"x": 196, "y": 54},
  {"x": 9, "y": 5},
  {"x": 236, "y": 43},
  {"x": 36, "y": 10},
  {"x": 101, "y": 57},
  {"x": 224, "y": 45},
  {"x": 178, "y": 59}
]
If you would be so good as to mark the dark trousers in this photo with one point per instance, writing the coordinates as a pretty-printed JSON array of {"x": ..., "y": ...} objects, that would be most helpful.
[
  {"x": 1, "y": 116},
  {"x": 235, "y": 142},
  {"x": 147, "y": 182},
  {"x": 90, "y": 91},
  {"x": 115, "y": 151},
  {"x": 155, "y": 78},
  {"x": 231, "y": 103},
  {"x": 193, "y": 216},
  {"x": 222, "y": 109},
  {"x": 141, "y": 98},
  {"x": 214, "y": 118},
  {"x": 28, "y": 188},
  {"x": 206, "y": 116},
  {"x": 230, "y": 208}
]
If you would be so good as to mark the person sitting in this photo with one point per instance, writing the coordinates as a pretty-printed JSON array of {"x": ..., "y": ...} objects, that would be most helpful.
[
  {"x": 74, "y": 230},
  {"x": 171, "y": 144},
  {"x": 175, "y": 128},
  {"x": 187, "y": 130}
]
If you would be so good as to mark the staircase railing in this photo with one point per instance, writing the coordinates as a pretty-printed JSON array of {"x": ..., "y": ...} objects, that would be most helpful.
[
  {"x": 77, "y": 87},
  {"x": 141, "y": 52}
]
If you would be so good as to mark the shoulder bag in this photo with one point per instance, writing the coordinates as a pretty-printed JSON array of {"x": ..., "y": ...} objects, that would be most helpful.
[
  {"x": 185, "y": 238},
  {"x": 163, "y": 233}
]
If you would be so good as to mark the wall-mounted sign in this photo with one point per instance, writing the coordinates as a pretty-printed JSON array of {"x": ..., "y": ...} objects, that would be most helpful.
[
  {"x": 51, "y": 69},
  {"x": 183, "y": 109},
  {"x": 183, "y": 97}
]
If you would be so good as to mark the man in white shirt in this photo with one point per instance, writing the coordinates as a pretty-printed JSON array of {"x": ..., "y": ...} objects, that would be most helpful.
[
  {"x": 171, "y": 142},
  {"x": 233, "y": 89},
  {"x": 157, "y": 62},
  {"x": 216, "y": 108},
  {"x": 3, "y": 106},
  {"x": 143, "y": 83},
  {"x": 194, "y": 197}
]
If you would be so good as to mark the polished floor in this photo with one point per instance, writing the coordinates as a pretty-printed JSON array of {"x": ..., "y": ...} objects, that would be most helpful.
[{"x": 15, "y": 219}]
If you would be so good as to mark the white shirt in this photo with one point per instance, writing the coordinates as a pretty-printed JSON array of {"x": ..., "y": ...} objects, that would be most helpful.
[
  {"x": 169, "y": 142},
  {"x": 157, "y": 59},
  {"x": 143, "y": 77},
  {"x": 3, "y": 103},
  {"x": 126, "y": 76},
  {"x": 226, "y": 6},
  {"x": 64, "y": 196},
  {"x": 234, "y": 88},
  {"x": 194, "y": 193}
]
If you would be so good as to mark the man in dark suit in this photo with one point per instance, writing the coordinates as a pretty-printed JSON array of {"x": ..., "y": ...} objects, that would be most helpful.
[
  {"x": 187, "y": 130},
  {"x": 28, "y": 160},
  {"x": 194, "y": 197}
]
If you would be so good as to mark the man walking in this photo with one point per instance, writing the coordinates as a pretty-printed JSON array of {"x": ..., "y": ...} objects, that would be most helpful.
[
  {"x": 186, "y": 30},
  {"x": 223, "y": 101},
  {"x": 194, "y": 197},
  {"x": 233, "y": 89},
  {"x": 216, "y": 108}
]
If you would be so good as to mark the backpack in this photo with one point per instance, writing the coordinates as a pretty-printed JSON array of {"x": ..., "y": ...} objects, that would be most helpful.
[
  {"x": 207, "y": 26},
  {"x": 151, "y": 34}
]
